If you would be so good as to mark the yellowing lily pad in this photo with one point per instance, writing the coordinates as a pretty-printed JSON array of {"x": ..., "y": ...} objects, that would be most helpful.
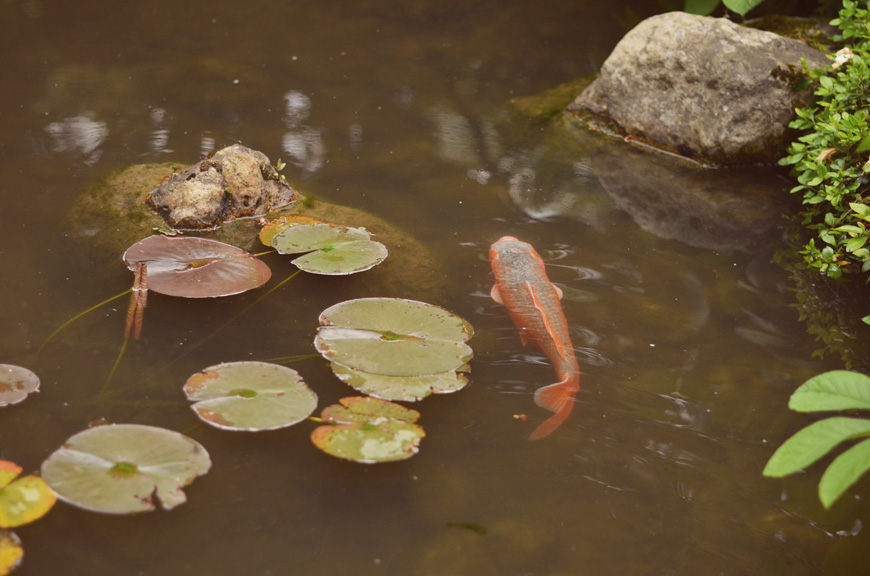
[
  {"x": 123, "y": 468},
  {"x": 250, "y": 396},
  {"x": 272, "y": 229},
  {"x": 192, "y": 267},
  {"x": 393, "y": 337},
  {"x": 25, "y": 500},
  {"x": 11, "y": 552},
  {"x": 16, "y": 383},
  {"x": 331, "y": 249},
  {"x": 368, "y": 430},
  {"x": 401, "y": 388}
]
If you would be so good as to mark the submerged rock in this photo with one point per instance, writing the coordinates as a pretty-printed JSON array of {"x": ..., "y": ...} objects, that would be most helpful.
[
  {"x": 701, "y": 87},
  {"x": 236, "y": 182}
]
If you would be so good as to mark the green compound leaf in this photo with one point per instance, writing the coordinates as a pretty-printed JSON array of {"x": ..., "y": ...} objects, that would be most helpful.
[
  {"x": 813, "y": 442},
  {"x": 368, "y": 430},
  {"x": 844, "y": 471},
  {"x": 835, "y": 390},
  {"x": 250, "y": 396},
  {"x": 121, "y": 468}
]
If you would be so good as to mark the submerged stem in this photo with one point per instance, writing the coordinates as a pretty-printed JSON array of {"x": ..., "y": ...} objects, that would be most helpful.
[
  {"x": 115, "y": 366},
  {"x": 76, "y": 317}
]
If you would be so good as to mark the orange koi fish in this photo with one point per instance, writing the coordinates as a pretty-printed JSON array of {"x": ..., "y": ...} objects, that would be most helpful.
[{"x": 522, "y": 285}]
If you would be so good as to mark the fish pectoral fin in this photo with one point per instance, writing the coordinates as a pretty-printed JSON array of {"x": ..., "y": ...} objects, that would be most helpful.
[
  {"x": 558, "y": 291},
  {"x": 523, "y": 339},
  {"x": 495, "y": 294}
]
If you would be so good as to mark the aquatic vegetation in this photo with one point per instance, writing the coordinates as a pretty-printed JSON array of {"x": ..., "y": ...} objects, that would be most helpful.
[
  {"x": 838, "y": 390},
  {"x": 250, "y": 396},
  {"x": 122, "y": 468},
  {"x": 11, "y": 552},
  {"x": 395, "y": 349},
  {"x": 192, "y": 267},
  {"x": 328, "y": 249},
  {"x": 16, "y": 383},
  {"x": 23, "y": 500},
  {"x": 368, "y": 430}
]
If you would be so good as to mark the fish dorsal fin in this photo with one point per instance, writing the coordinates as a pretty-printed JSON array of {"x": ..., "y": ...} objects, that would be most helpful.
[{"x": 495, "y": 294}]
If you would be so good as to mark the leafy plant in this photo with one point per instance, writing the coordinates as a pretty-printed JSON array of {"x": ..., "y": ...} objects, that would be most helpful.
[
  {"x": 706, "y": 7},
  {"x": 832, "y": 391},
  {"x": 831, "y": 159}
]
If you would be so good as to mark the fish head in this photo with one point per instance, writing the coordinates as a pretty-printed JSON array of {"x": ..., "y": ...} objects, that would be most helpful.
[{"x": 508, "y": 245}]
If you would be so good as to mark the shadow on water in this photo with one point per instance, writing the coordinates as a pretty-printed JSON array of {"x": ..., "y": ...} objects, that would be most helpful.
[{"x": 683, "y": 327}]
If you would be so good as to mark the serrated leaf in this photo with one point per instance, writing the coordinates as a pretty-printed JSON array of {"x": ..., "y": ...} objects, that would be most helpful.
[
  {"x": 812, "y": 443},
  {"x": 843, "y": 472},
  {"x": 835, "y": 390}
]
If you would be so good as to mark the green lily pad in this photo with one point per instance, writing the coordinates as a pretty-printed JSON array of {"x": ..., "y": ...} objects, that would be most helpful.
[
  {"x": 11, "y": 552},
  {"x": 16, "y": 383},
  {"x": 368, "y": 430},
  {"x": 401, "y": 388},
  {"x": 121, "y": 468},
  {"x": 332, "y": 249},
  {"x": 192, "y": 267},
  {"x": 250, "y": 396},
  {"x": 393, "y": 337},
  {"x": 275, "y": 227}
]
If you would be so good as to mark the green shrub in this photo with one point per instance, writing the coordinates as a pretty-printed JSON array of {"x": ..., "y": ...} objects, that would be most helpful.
[{"x": 830, "y": 160}]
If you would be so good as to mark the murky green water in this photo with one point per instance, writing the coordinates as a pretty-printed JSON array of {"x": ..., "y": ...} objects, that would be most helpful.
[{"x": 688, "y": 346}]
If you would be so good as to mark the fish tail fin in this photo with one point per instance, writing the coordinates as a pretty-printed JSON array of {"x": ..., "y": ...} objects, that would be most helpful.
[{"x": 558, "y": 398}]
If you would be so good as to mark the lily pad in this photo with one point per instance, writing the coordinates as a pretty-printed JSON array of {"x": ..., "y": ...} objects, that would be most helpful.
[
  {"x": 275, "y": 227},
  {"x": 332, "y": 249},
  {"x": 24, "y": 501},
  {"x": 368, "y": 430},
  {"x": 121, "y": 468},
  {"x": 196, "y": 267},
  {"x": 250, "y": 396},
  {"x": 393, "y": 337},
  {"x": 16, "y": 383},
  {"x": 401, "y": 388},
  {"x": 11, "y": 552}
]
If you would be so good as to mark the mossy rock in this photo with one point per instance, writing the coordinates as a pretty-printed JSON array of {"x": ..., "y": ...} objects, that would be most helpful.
[{"x": 111, "y": 215}]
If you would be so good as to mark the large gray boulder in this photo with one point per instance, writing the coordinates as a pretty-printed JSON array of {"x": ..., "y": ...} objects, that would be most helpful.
[{"x": 704, "y": 88}]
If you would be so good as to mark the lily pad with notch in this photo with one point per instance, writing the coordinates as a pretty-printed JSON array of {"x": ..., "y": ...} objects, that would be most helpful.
[
  {"x": 192, "y": 267},
  {"x": 330, "y": 249},
  {"x": 250, "y": 396},
  {"x": 395, "y": 349},
  {"x": 16, "y": 383},
  {"x": 124, "y": 468},
  {"x": 23, "y": 500},
  {"x": 368, "y": 430}
]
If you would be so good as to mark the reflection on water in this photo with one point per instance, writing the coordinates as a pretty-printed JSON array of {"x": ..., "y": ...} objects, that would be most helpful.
[{"x": 688, "y": 347}]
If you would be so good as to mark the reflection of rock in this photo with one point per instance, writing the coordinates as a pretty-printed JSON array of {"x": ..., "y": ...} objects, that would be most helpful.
[
  {"x": 675, "y": 199},
  {"x": 82, "y": 134},
  {"x": 702, "y": 87},
  {"x": 235, "y": 182}
]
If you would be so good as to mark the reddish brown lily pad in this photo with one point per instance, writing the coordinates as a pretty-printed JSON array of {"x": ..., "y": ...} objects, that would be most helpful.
[
  {"x": 196, "y": 267},
  {"x": 16, "y": 383}
]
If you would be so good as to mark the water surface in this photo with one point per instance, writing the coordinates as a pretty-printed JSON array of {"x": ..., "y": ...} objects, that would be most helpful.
[{"x": 688, "y": 344}]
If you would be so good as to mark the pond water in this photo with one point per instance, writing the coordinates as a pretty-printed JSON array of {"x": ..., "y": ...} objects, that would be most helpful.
[{"x": 685, "y": 330}]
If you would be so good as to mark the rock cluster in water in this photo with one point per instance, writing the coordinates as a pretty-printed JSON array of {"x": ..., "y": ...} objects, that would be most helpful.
[
  {"x": 701, "y": 87},
  {"x": 236, "y": 182}
]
